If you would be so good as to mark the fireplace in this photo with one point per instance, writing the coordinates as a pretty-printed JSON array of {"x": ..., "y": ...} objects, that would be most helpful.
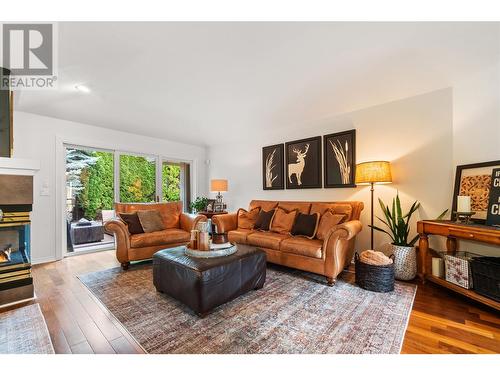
[{"x": 16, "y": 199}]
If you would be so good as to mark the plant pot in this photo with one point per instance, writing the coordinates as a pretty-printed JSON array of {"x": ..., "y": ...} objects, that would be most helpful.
[{"x": 405, "y": 262}]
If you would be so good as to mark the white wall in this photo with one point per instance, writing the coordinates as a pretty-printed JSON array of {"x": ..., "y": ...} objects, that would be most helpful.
[
  {"x": 476, "y": 117},
  {"x": 476, "y": 128},
  {"x": 35, "y": 137},
  {"x": 415, "y": 134}
]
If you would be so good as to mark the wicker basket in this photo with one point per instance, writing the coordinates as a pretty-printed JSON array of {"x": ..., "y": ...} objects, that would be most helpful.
[
  {"x": 486, "y": 276},
  {"x": 374, "y": 278}
]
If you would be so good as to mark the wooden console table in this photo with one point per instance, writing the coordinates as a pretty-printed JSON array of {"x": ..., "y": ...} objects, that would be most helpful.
[{"x": 454, "y": 231}]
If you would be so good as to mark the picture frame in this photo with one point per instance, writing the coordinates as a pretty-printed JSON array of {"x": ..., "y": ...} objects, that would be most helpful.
[
  {"x": 273, "y": 169},
  {"x": 210, "y": 207},
  {"x": 339, "y": 154},
  {"x": 6, "y": 118},
  {"x": 474, "y": 180},
  {"x": 303, "y": 163}
]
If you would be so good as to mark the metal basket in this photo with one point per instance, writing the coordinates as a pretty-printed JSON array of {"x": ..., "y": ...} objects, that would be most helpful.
[{"x": 457, "y": 268}]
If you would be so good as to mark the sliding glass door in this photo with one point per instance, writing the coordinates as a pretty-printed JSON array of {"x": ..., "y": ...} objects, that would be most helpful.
[
  {"x": 176, "y": 184},
  {"x": 137, "y": 178},
  {"x": 89, "y": 197},
  {"x": 97, "y": 178}
]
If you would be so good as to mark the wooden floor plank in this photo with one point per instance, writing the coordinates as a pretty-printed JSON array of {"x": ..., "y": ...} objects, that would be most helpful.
[
  {"x": 82, "y": 348},
  {"x": 122, "y": 346}
]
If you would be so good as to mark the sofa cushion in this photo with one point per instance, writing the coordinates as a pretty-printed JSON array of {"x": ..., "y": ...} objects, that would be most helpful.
[
  {"x": 133, "y": 224},
  {"x": 264, "y": 220},
  {"x": 302, "y": 207},
  {"x": 268, "y": 240},
  {"x": 170, "y": 211},
  {"x": 302, "y": 246},
  {"x": 151, "y": 220},
  {"x": 328, "y": 221},
  {"x": 337, "y": 208},
  {"x": 239, "y": 235},
  {"x": 306, "y": 225},
  {"x": 283, "y": 220},
  {"x": 263, "y": 205},
  {"x": 247, "y": 219},
  {"x": 164, "y": 237}
]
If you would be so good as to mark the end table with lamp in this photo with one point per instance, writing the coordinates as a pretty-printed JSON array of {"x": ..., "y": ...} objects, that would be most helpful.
[
  {"x": 217, "y": 186},
  {"x": 373, "y": 172}
]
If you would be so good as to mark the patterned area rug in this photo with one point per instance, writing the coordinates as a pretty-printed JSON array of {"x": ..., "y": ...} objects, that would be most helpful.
[
  {"x": 23, "y": 331},
  {"x": 295, "y": 312}
]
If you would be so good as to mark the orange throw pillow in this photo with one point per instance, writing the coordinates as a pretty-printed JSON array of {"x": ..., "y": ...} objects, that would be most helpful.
[
  {"x": 247, "y": 219},
  {"x": 328, "y": 221},
  {"x": 283, "y": 220}
]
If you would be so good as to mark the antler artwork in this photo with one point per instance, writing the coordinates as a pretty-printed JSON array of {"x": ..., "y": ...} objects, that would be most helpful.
[
  {"x": 298, "y": 167},
  {"x": 269, "y": 169},
  {"x": 341, "y": 156}
]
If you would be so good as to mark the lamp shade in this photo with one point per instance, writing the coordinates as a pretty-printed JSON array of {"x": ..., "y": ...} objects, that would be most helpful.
[
  {"x": 373, "y": 171},
  {"x": 218, "y": 185}
]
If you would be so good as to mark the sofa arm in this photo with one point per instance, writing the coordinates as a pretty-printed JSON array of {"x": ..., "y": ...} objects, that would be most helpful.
[
  {"x": 226, "y": 222},
  {"x": 189, "y": 221},
  {"x": 122, "y": 238},
  {"x": 339, "y": 246}
]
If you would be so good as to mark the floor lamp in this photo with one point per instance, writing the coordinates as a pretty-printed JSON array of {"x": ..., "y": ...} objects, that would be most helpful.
[{"x": 371, "y": 173}]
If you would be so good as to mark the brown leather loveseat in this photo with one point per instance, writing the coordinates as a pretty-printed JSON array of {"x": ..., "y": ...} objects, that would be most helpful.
[
  {"x": 327, "y": 256},
  {"x": 130, "y": 247}
]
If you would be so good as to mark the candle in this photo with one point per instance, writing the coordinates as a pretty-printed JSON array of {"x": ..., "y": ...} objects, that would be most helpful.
[
  {"x": 463, "y": 203},
  {"x": 437, "y": 267}
]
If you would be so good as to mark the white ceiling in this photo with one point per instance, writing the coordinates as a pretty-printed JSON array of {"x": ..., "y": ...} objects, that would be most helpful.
[{"x": 209, "y": 83}]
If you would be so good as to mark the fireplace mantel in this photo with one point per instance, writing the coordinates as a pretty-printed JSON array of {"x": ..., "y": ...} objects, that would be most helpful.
[{"x": 19, "y": 166}]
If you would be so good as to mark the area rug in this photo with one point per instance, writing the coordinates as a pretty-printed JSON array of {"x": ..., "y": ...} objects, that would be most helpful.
[
  {"x": 295, "y": 312},
  {"x": 24, "y": 331}
]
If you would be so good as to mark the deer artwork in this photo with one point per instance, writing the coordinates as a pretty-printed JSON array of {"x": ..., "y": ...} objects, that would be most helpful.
[{"x": 298, "y": 167}]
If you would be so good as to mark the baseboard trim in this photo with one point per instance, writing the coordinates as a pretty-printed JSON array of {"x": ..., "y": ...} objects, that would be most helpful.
[{"x": 43, "y": 260}]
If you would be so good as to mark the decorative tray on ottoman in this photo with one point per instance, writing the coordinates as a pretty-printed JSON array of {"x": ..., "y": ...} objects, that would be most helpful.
[{"x": 216, "y": 250}]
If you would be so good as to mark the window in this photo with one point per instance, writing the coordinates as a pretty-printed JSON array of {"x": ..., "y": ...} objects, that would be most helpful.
[
  {"x": 89, "y": 196},
  {"x": 175, "y": 183},
  {"x": 137, "y": 179}
]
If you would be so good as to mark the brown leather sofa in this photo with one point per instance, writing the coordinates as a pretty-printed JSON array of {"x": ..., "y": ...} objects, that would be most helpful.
[
  {"x": 143, "y": 246},
  {"x": 328, "y": 257}
]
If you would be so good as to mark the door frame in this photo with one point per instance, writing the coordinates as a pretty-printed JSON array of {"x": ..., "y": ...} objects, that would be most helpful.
[{"x": 62, "y": 141}]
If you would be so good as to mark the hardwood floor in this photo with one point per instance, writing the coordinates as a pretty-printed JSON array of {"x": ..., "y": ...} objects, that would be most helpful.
[
  {"x": 77, "y": 322},
  {"x": 440, "y": 322}
]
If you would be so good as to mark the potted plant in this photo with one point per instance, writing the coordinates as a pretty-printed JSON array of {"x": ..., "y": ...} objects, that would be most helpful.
[
  {"x": 398, "y": 224},
  {"x": 198, "y": 204}
]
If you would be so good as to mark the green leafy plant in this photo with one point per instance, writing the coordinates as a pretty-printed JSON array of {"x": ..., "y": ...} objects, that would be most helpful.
[
  {"x": 398, "y": 224},
  {"x": 198, "y": 204}
]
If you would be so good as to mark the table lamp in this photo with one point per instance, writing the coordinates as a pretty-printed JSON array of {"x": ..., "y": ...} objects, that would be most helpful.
[
  {"x": 218, "y": 186},
  {"x": 373, "y": 172}
]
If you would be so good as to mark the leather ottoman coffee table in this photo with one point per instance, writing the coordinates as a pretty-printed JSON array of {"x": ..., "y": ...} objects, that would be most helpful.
[{"x": 205, "y": 283}]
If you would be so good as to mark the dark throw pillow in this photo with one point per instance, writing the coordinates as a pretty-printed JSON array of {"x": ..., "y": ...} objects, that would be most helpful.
[
  {"x": 151, "y": 220},
  {"x": 305, "y": 225},
  {"x": 264, "y": 220},
  {"x": 133, "y": 224}
]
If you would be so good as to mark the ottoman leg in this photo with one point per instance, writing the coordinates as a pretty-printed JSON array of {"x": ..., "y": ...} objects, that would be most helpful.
[{"x": 125, "y": 266}]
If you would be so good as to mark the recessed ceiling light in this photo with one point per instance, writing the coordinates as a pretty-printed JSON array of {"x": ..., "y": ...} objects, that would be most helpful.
[{"x": 82, "y": 88}]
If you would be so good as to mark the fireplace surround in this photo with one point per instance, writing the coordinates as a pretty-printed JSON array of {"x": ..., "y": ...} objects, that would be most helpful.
[{"x": 16, "y": 201}]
